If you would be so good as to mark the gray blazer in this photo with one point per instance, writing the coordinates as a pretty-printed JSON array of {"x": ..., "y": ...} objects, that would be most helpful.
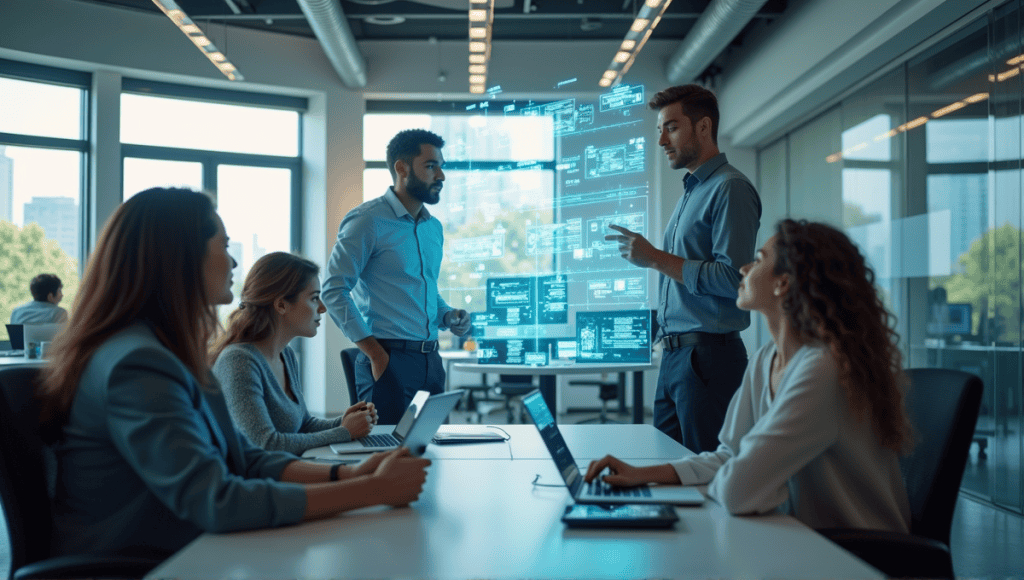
[{"x": 151, "y": 460}]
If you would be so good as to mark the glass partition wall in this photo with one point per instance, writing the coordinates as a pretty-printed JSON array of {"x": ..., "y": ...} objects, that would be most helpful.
[{"x": 921, "y": 166}]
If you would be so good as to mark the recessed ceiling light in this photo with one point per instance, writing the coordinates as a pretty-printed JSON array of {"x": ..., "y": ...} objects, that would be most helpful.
[{"x": 384, "y": 20}]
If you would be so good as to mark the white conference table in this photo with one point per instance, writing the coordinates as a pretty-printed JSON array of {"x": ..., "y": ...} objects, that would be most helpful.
[
  {"x": 547, "y": 374},
  {"x": 482, "y": 518},
  {"x": 20, "y": 361}
]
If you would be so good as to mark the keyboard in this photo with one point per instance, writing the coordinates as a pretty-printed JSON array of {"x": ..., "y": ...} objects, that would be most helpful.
[
  {"x": 600, "y": 489},
  {"x": 386, "y": 440}
]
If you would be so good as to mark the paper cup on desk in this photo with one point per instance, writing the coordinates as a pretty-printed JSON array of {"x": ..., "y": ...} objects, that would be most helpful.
[{"x": 44, "y": 349}]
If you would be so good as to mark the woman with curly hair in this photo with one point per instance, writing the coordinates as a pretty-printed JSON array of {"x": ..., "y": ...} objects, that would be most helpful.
[{"x": 818, "y": 423}]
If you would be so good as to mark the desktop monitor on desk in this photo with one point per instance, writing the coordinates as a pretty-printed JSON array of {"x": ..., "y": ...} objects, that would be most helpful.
[{"x": 958, "y": 319}]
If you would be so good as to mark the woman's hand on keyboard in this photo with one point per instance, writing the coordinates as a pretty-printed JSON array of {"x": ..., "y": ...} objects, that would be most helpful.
[
  {"x": 358, "y": 421},
  {"x": 619, "y": 472}
]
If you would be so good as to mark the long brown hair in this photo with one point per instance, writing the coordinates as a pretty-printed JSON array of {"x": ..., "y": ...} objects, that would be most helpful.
[
  {"x": 276, "y": 275},
  {"x": 832, "y": 299},
  {"x": 147, "y": 266}
]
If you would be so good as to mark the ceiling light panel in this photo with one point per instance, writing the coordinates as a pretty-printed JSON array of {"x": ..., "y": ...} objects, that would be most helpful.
[
  {"x": 481, "y": 19},
  {"x": 647, "y": 18},
  {"x": 192, "y": 31}
]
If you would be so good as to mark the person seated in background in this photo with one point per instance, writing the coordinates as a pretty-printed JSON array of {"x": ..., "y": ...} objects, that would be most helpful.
[
  {"x": 258, "y": 371},
  {"x": 819, "y": 420},
  {"x": 147, "y": 457},
  {"x": 47, "y": 292}
]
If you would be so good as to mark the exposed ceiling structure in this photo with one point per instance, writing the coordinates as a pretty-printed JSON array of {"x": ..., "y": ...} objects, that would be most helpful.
[{"x": 337, "y": 23}]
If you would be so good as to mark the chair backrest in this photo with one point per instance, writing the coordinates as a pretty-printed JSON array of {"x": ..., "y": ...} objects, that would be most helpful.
[
  {"x": 348, "y": 364},
  {"x": 23, "y": 487},
  {"x": 943, "y": 407}
]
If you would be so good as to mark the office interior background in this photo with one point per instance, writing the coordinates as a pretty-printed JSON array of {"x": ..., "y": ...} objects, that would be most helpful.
[{"x": 897, "y": 120}]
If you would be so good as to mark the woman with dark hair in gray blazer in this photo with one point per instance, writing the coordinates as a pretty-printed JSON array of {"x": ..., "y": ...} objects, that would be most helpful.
[{"x": 147, "y": 455}]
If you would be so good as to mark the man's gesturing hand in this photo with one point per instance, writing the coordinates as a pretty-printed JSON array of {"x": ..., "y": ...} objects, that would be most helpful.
[{"x": 634, "y": 247}]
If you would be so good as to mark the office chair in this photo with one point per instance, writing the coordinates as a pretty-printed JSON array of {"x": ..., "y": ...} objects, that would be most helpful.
[
  {"x": 348, "y": 365},
  {"x": 943, "y": 407},
  {"x": 513, "y": 388},
  {"x": 609, "y": 391},
  {"x": 24, "y": 497}
]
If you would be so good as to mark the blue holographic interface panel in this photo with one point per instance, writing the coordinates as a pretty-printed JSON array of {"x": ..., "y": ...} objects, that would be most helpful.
[
  {"x": 525, "y": 243},
  {"x": 616, "y": 336},
  {"x": 526, "y": 351}
]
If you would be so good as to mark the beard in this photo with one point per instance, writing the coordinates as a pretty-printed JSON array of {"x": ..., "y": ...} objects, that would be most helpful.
[
  {"x": 429, "y": 194},
  {"x": 684, "y": 157}
]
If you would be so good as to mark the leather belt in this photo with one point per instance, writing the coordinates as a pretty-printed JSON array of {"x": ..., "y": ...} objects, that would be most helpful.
[
  {"x": 423, "y": 346},
  {"x": 677, "y": 341}
]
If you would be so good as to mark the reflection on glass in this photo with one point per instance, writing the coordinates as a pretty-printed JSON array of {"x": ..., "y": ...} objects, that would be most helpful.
[
  {"x": 40, "y": 109},
  {"x": 142, "y": 174},
  {"x": 168, "y": 122}
]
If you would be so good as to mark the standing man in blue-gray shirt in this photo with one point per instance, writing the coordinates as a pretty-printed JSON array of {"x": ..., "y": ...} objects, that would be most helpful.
[
  {"x": 381, "y": 288},
  {"x": 710, "y": 235}
]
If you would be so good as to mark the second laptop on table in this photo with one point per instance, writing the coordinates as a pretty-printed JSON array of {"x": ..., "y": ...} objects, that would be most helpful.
[{"x": 417, "y": 426}]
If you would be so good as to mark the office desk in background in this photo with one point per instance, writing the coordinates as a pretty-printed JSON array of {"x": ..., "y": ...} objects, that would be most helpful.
[
  {"x": 482, "y": 518},
  {"x": 15, "y": 361},
  {"x": 548, "y": 373}
]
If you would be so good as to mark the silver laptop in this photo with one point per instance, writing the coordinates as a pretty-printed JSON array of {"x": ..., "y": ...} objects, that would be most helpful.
[
  {"x": 597, "y": 491},
  {"x": 418, "y": 424}
]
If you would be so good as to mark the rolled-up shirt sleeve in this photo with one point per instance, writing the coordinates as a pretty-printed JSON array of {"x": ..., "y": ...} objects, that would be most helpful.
[
  {"x": 442, "y": 310},
  {"x": 737, "y": 215},
  {"x": 163, "y": 433},
  {"x": 351, "y": 253}
]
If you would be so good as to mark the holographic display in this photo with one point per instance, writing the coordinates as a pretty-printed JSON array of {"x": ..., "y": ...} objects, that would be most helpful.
[{"x": 524, "y": 237}]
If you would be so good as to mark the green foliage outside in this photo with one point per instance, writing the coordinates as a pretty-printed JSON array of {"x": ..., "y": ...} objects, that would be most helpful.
[
  {"x": 459, "y": 279},
  {"x": 990, "y": 274},
  {"x": 24, "y": 253}
]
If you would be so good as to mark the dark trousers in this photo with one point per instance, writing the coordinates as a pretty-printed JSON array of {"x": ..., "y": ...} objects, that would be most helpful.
[
  {"x": 407, "y": 372},
  {"x": 695, "y": 385}
]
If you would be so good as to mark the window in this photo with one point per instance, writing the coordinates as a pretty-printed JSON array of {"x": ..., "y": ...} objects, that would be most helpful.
[
  {"x": 43, "y": 152},
  {"x": 242, "y": 148}
]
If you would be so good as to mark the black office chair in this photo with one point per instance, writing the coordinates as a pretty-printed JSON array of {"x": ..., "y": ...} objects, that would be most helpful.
[
  {"x": 348, "y": 365},
  {"x": 513, "y": 388},
  {"x": 24, "y": 497},
  {"x": 609, "y": 391},
  {"x": 943, "y": 406}
]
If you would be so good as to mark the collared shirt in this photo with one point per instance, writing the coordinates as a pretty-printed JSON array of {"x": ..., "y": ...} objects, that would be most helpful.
[
  {"x": 382, "y": 276},
  {"x": 714, "y": 228},
  {"x": 38, "y": 312}
]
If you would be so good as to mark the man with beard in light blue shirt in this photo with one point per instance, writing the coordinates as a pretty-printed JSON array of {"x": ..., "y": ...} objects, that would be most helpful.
[{"x": 381, "y": 288}]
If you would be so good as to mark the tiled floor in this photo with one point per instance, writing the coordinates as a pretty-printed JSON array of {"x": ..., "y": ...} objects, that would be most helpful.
[{"x": 986, "y": 542}]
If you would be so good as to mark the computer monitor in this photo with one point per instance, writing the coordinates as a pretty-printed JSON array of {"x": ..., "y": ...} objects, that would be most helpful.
[
  {"x": 958, "y": 319},
  {"x": 613, "y": 336}
]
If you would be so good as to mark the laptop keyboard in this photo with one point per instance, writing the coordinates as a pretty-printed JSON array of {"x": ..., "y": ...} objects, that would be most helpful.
[
  {"x": 385, "y": 440},
  {"x": 600, "y": 489}
]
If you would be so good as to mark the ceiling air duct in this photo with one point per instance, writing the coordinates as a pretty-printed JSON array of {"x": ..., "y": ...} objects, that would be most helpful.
[
  {"x": 331, "y": 28},
  {"x": 713, "y": 31}
]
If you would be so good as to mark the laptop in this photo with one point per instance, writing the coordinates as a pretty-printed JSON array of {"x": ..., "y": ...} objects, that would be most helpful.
[
  {"x": 597, "y": 491},
  {"x": 417, "y": 426},
  {"x": 17, "y": 334}
]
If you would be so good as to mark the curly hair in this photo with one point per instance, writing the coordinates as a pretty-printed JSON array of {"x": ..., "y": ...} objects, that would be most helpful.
[
  {"x": 406, "y": 146},
  {"x": 832, "y": 299}
]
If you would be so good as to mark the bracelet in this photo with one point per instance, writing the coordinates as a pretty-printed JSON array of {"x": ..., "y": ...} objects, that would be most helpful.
[{"x": 334, "y": 471}]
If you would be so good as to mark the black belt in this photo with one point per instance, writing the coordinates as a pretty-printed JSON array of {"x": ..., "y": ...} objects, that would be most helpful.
[
  {"x": 424, "y": 346},
  {"x": 677, "y": 341}
]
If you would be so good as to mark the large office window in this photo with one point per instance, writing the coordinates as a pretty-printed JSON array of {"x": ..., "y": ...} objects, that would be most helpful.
[
  {"x": 244, "y": 149},
  {"x": 43, "y": 150},
  {"x": 922, "y": 167}
]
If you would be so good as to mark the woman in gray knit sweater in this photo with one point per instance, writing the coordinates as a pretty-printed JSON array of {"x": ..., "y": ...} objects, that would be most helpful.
[{"x": 258, "y": 371}]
